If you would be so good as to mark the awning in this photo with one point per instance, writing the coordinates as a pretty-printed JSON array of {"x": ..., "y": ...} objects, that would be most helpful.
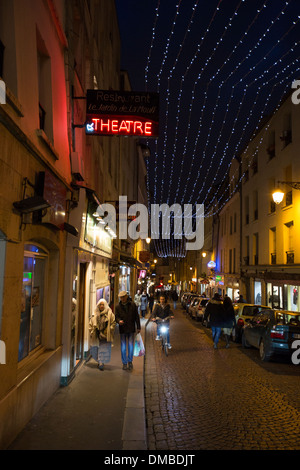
[{"x": 129, "y": 260}]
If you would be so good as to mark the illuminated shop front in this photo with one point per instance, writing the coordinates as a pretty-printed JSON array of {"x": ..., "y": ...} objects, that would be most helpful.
[
  {"x": 284, "y": 295},
  {"x": 87, "y": 279}
]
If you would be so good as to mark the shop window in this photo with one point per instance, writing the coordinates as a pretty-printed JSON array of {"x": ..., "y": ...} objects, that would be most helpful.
[
  {"x": 45, "y": 88},
  {"x": 271, "y": 150},
  {"x": 32, "y": 306},
  {"x": 257, "y": 292}
]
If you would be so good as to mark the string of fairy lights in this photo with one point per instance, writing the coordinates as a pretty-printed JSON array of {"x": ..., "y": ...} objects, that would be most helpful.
[{"x": 206, "y": 85}]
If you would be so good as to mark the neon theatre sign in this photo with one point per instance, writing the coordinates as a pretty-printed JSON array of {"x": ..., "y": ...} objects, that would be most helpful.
[{"x": 122, "y": 113}]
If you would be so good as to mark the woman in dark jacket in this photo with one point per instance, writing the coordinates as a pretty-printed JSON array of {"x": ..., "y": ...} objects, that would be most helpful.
[{"x": 229, "y": 319}]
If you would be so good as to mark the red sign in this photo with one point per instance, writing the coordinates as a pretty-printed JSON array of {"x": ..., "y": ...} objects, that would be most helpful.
[{"x": 122, "y": 113}]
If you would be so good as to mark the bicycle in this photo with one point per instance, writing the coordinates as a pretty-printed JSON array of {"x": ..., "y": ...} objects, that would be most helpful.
[{"x": 164, "y": 329}]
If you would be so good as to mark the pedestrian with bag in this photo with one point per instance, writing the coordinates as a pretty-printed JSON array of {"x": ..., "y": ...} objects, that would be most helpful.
[
  {"x": 229, "y": 319},
  {"x": 214, "y": 314},
  {"x": 102, "y": 327},
  {"x": 128, "y": 319}
]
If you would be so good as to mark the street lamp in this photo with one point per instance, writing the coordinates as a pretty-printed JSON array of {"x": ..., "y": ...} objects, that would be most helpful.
[
  {"x": 278, "y": 194},
  {"x": 148, "y": 240}
]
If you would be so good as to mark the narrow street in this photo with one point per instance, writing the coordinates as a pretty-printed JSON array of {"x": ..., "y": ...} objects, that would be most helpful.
[{"x": 199, "y": 398}]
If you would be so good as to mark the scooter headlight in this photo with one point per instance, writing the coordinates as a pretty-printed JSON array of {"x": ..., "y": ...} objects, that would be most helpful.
[{"x": 164, "y": 329}]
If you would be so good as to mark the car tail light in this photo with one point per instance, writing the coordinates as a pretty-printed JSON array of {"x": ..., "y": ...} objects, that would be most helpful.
[
  {"x": 277, "y": 334},
  {"x": 240, "y": 322}
]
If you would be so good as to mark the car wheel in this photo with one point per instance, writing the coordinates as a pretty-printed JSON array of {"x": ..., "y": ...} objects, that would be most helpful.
[
  {"x": 264, "y": 354},
  {"x": 245, "y": 343}
]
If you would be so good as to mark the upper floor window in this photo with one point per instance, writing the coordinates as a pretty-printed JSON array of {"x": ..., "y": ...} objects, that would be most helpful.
[
  {"x": 44, "y": 88},
  {"x": 286, "y": 134}
]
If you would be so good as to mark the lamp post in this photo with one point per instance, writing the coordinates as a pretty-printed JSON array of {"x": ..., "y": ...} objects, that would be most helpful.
[{"x": 278, "y": 194}]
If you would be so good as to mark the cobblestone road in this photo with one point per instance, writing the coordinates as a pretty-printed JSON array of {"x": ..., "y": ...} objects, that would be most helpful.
[{"x": 199, "y": 398}]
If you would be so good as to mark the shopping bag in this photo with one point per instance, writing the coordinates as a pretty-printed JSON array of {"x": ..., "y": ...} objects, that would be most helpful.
[{"x": 139, "y": 349}]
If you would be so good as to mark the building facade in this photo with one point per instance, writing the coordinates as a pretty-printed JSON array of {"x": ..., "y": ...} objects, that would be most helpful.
[
  {"x": 270, "y": 269},
  {"x": 56, "y": 259}
]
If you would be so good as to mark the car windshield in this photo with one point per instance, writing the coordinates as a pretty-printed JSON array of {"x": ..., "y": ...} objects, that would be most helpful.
[
  {"x": 251, "y": 310},
  {"x": 204, "y": 302},
  {"x": 288, "y": 319}
]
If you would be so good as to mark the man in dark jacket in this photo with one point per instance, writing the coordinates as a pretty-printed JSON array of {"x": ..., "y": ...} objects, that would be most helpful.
[
  {"x": 128, "y": 318},
  {"x": 215, "y": 314},
  {"x": 163, "y": 310}
]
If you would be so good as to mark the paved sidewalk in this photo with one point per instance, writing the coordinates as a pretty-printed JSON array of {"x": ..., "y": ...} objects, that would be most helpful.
[{"x": 99, "y": 410}]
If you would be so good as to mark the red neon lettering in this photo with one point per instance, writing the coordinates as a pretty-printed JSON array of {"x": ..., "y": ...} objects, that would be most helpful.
[
  {"x": 114, "y": 126},
  {"x": 138, "y": 125},
  {"x": 95, "y": 121},
  {"x": 123, "y": 126},
  {"x": 107, "y": 125},
  {"x": 148, "y": 128},
  {"x": 129, "y": 128}
]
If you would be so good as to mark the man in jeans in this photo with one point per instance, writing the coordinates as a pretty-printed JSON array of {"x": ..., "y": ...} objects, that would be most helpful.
[
  {"x": 128, "y": 318},
  {"x": 215, "y": 314}
]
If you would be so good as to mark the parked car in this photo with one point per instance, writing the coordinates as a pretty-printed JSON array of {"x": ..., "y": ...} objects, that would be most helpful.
[
  {"x": 184, "y": 299},
  {"x": 272, "y": 332},
  {"x": 189, "y": 300},
  {"x": 199, "y": 311},
  {"x": 244, "y": 312},
  {"x": 193, "y": 304}
]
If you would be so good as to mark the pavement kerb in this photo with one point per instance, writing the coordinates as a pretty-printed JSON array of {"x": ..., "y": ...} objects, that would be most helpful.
[{"x": 134, "y": 435}]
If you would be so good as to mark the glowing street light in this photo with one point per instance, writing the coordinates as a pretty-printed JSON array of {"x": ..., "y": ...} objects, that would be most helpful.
[{"x": 278, "y": 194}]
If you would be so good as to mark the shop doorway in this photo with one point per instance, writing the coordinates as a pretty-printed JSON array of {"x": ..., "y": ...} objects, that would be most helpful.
[{"x": 81, "y": 313}]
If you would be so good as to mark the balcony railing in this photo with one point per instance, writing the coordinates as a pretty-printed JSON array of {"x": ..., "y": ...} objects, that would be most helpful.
[
  {"x": 273, "y": 258},
  {"x": 246, "y": 260},
  {"x": 289, "y": 257}
]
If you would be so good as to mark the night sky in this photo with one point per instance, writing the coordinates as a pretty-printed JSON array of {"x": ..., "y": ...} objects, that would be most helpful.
[{"x": 220, "y": 66}]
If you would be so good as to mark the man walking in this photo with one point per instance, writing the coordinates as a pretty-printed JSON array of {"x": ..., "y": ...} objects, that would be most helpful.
[
  {"x": 215, "y": 314},
  {"x": 128, "y": 318}
]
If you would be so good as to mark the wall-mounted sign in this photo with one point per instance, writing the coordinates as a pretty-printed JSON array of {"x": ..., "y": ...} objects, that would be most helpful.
[
  {"x": 144, "y": 256},
  {"x": 55, "y": 193},
  {"x": 211, "y": 264},
  {"x": 122, "y": 113}
]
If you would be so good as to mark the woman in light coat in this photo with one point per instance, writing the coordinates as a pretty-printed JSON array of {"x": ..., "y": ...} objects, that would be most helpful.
[{"x": 102, "y": 327}]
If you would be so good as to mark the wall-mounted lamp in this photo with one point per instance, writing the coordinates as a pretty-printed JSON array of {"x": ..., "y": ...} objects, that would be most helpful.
[
  {"x": 278, "y": 194},
  {"x": 31, "y": 204}
]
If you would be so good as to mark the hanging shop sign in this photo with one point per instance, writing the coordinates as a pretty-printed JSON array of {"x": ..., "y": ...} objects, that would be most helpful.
[
  {"x": 144, "y": 256},
  {"x": 219, "y": 279},
  {"x": 122, "y": 113},
  {"x": 211, "y": 264},
  {"x": 55, "y": 193}
]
